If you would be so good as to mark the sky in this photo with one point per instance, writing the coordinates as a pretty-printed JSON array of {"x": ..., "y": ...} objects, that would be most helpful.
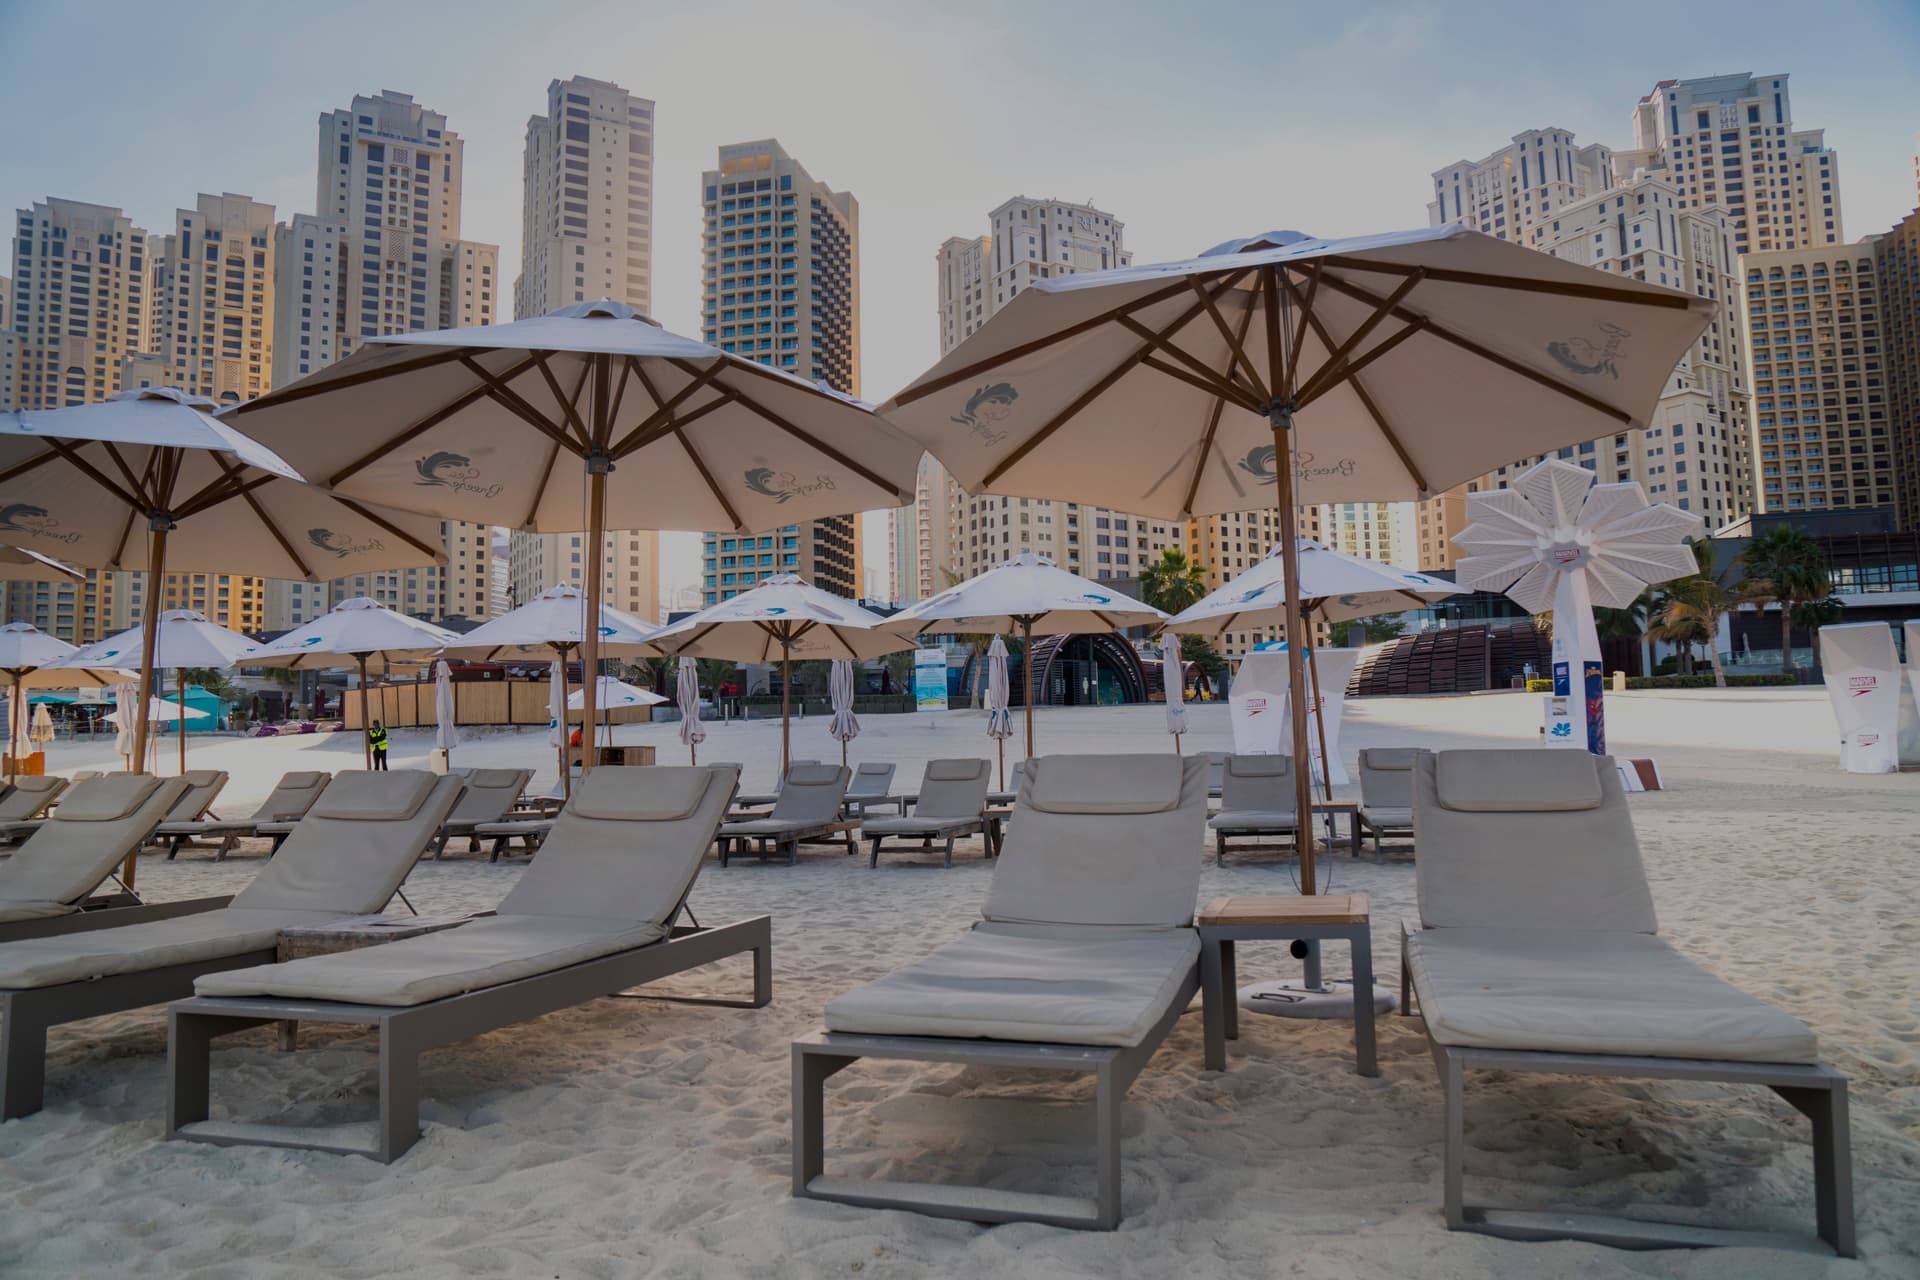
[{"x": 1192, "y": 123}]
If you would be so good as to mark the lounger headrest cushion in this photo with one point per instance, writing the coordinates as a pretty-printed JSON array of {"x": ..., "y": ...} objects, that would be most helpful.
[
  {"x": 492, "y": 779},
  {"x": 107, "y": 799},
  {"x": 813, "y": 775},
  {"x": 872, "y": 770},
  {"x": 359, "y": 796},
  {"x": 640, "y": 793},
  {"x": 1389, "y": 758},
  {"x": 1275, "y": 766},
  {"x": 43, "y": 784},
  {"x": 305, "y": 780},
  {"x": 1104, "y": 784},
  {"x": 955, "y": 770},
  {"x": 199, "y": 778},
  {"x": 1525, "y": 782}
]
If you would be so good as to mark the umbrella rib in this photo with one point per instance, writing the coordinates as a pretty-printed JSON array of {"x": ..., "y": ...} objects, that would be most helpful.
[
  {"x": 1492, "y": 357},
  {"x": 566, "y": 405},
  {"x": 633, "y": 443},
  {"x": 1228, "y": 391},
  {"x": 619, "y": 394},
  {"x": 100, "y": 477},
  {"x": 1306, "y": 311},
  {"x": 120, "y": 544},
  {"x": 287, "y": 395},
  {"x": 253, "y": 503},
  {"x": 646, "y": 383},
  {"x": 1237, "y": 352},
  {"x": 814, "y": 442},
  {"x": 1447, "y": 275},
  {"x": 419, "y": 428},
  {"x": 126, "y": 472},
  {"x": 694, "y": 457},
  {"x": 1098, "y": 389},
  {"x": 1337, "y": 359},
  {"x": 438, "y": 556},
  {"x": 37, "y": 461},
  {"x": 1366, "y": 401},
  {"x": 215, "y": 492},
  {"x": 1219, "y": 409},
  {"x": 1353, "y": 367},
  {"x": 979, "y": 367},
  {"x": 540, "y": 488},
  {"x": 665, "y": 412},
  {"x": 506, "y": 397},
  {"x": 1205, "y": 376}
]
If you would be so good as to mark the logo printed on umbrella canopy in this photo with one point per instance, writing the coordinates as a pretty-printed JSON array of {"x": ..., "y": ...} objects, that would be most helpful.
[
  {"x": 341, "y": 545},
  {"x": 782, "y": 486},
  {"x": 990, "y": 404},
  {"x": 35, "y": 522},
  {"x": 1259, "y": 464},
  {"x": 1097, "y": 599},
  {"x": 1305, "y": 468},
  {"x": 453, "y": 471},
  {"x": 1583, "y": 355}
]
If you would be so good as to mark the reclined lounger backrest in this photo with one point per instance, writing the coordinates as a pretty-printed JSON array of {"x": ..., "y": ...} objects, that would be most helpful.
[
  {"x": 954, "y": 789},
  {"x": 628, "y": 844},
  {"x": 1527, "y": 839},
  {"x": 203, "y": 785},
  {"x": 1262, "y": 784},
  {"x": 95, "y": 828},
  {"x": 356, "y": 844},
  {"x": 1386, "y": 777},
  {"x": 489, "y": 794},
  {"x": 1103, "y": 840},
  {"x": 293, "y": 796},
  {"x": 871, "y": 779},
  {"x": 29, "y": 797},
  {"x": 813, "y": 793}
]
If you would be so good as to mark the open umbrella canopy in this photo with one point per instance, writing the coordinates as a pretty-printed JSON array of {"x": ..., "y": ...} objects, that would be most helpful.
[
  {"x": 554, "y": 619},
  {"x": 1334, "y": 587},
  {"x": 163, "y": 711},
  {"x": 19, "y": 564},
  {"x": 360, "y": 628},
  {"x": 783, "y": 616},
  {"x": 32, "y": 659},
  {"x": 613, "y": 694},
  {"x": 1025, "y": 592},
  {"x": 184, "y": 638}
]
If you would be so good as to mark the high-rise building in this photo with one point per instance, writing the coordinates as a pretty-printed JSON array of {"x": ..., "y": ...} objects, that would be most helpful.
[
  {"x": 1729, "y": 142},
  {"x": 781, "y": 286},
  {"x": 1517, "y": 188},
  {"x": 382, "y": 253},
  {"x": 81, "y": 303},
  {"x": 1820, "y": 413},
  {"x": 1382, "y": 531},
  {"x": 587, "y": 233},
  {"x": 1897, "y": 262}
]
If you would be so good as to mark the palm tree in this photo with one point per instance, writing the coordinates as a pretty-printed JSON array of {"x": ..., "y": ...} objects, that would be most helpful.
[
  {"x": 1173, "y": 582},
  {"x": 1786, "y": 567}
]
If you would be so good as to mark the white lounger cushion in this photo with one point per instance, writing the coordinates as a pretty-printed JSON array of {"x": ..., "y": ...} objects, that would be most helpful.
[
  {"x": 139, "y": 948},
  {"x": 339, "y": 860},
  {"x": 489, "y": 794},
  {"x": 1006, "y": 984},
  {"x": 28, "y": 796},
  {"x": 64, "y": 861},
  {"x": 1234, "y": 820},
  {"x": 1383, "y": 816},
  {"x": 916, "y": 825},
  {"x": 1573, "y": 991},
  {"x": 483, "y": 953}
]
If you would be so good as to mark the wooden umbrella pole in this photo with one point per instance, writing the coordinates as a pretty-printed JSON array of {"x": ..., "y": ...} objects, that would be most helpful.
[
  {"x": 566, "y": 772},
  {"x": 1280, "y": 417},
  {"x": 1320, "y": 721},
  {"x": 13, "y": 726},
  {"x": 590, "y": 630},
  {"x": 366, "y": 719},
  {"x": 149, "y": 639},
  {"x": 180, "y": 724},
  {"x": 786, "y": 687},
  {"x": 1026, "y": 675}
]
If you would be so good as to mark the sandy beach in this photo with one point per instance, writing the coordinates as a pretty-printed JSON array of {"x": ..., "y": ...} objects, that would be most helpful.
[{"x": 629, "y": 1137}]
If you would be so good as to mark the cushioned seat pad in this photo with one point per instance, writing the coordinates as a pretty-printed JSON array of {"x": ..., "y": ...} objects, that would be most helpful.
[
  {"x": 1002, "y": 985},
  {"x": 915, "y": 826},
  {"x": 138, "y": 948},
  {"x": 1567, "y": 991},
  {"x": 770, "y": 827},
  {"x": 1386, "y": 815},
  {"x": 1252, "y": 820},
  {"x": 482, "y": 953}
]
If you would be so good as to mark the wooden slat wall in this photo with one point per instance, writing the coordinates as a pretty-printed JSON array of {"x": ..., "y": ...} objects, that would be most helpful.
[{"x": 524, "y": 702}]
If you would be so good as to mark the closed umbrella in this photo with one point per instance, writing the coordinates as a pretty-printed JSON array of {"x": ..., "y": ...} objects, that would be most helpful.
[
  {"x": 42, "y": 731},
  {"x": 125, "y": 696},
  {"x": 999, "y": 719},
  {"x": 159, "y": 711},
  {"x": 445, "y": 735},
  {"x": 588, "y": 418},
  {"x": 29, "y": 658},
  {"x": 1173, "y": 678},
  {"x": 609, "y": 695},
  {"x": 775, "y": 621},
  {"x": 845, "y": 726},
  {"x": 687, "y": 695},
  {"x": 360, "y": 633},
  {"x": 557, "y": 718},
  {"x": 152, "y": 480},
  {"x": 1027, "y": 592},
  {"x": 1286, "y": 369}
]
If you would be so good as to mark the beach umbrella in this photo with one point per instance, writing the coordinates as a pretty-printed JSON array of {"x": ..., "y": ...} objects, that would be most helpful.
[
  {"x": 445, "y": 735},
  {"x": 780, "y": 619},
  {"x": 183, "y": 638},
  {"x": 553, "y": 623},
  {"x": 1284, "y": 369},
  {"x": 557, "y": 719},
  {"x": 999, "y": 719},
  {"x": 42, "y": 731},
  {"x": 20, "y": 564},
  {"x": 589, "y": 418},
  {"x": 1334, "y": 587},
  {"x": 687, "y": 696},
  {"x": 29, "y": 658},
  {"x": 360, "y": 633},
  {"x": 152, "y": 480},
  {"x": 609, "y": 695},
  {"x": 1028, "y": 593},
  {"x": 1173, "y": 679},
  {"x": 162, "y": 711},
  {"x": 845, "y": 726},
  {"x": 122, "y": 717}
]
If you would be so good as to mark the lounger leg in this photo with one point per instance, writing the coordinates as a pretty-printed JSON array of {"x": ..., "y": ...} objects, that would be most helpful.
[
  {"x": 439, "y": 845},
  {"x": 1832, "y": 1161},
  {"x": 399, "y": 1094},
  {"x": 793, "y": 851},
  {"x": 852, "y": 847},
  {"x": 1213, "y": 1017},
  {"x": 173, "y": 848},
  {"x": 1219, "y": 848},
  {"x": 763, "y": 972},
  {"x": 949, "y": 850},
  {"x": 1230, "y": 989},
  {"x": 1365, "y": 1061},
  {"x": 874, "y": 859},
  {"x": 23, "y": 1059},
  {"x": 1453, "y": 1176},
  {"x": 810, "y": 1072},
  {"x": 1108, "y": 1093},
  {"x": 189, "y": 1069}
]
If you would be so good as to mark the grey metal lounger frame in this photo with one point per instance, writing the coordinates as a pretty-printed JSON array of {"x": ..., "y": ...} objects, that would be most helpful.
[
  {"x": 109, "y": 911},
  {"x": 822, "y": 1054},
  {"x": 408, "y": 1031}
]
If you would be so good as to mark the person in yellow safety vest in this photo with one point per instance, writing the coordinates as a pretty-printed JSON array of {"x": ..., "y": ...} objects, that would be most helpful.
[{"x": 377, "y": 739}]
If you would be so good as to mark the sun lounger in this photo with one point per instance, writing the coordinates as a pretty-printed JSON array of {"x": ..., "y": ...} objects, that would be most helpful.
[
  {"x": 808, "y": 810},
  {"x": 489, "y": 797},
  {"x": 1216, "y": 772},
  {"x": 952, "y": 802},
  {"x": 870, "y": 786},
  {"x": 1386, "y": 793},
  {"x": 289, "y": 801},
  {"x": 347, "y": 857},
  {"x": 1083, "y": 960},
  {"x": 760, "y": 800},
  {"x": 51, "y": 885},
  {"x": 29, "y": 797},
  {"x": 1537, "y": 951},
  {"x": 592, "y": 916},
  {"x": 1256, "y": 799},
  {"x": 203, "y": 788},
  {"x": 529, "y": 829},
  {"x": 1003, "y": 798}
]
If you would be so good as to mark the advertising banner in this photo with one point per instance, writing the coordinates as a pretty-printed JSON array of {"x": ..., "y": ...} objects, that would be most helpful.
[
  {"x": 929, "y": 679},
  {"x": 1865, "y": 687},
  {"x": 1336, "y": 666},
  {"x": 1258, "y": 703},
  {"x": 1562, "y": 723}
]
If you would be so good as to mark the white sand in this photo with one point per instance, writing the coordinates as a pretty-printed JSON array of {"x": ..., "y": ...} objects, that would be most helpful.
[{"x": 629, "y": 1138}]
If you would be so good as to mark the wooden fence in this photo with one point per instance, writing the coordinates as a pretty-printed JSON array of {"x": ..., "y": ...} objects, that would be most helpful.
[{"x": 406, "y": 706}]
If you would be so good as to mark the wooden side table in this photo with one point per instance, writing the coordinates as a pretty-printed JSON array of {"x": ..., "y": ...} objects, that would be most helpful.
[
  {"x": 1351, "y": 808},
  {"x": 1225, "y": 921}
]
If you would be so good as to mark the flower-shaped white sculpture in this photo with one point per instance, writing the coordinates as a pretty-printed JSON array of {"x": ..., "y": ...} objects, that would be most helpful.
[{"x": 1558, "y": 540}]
